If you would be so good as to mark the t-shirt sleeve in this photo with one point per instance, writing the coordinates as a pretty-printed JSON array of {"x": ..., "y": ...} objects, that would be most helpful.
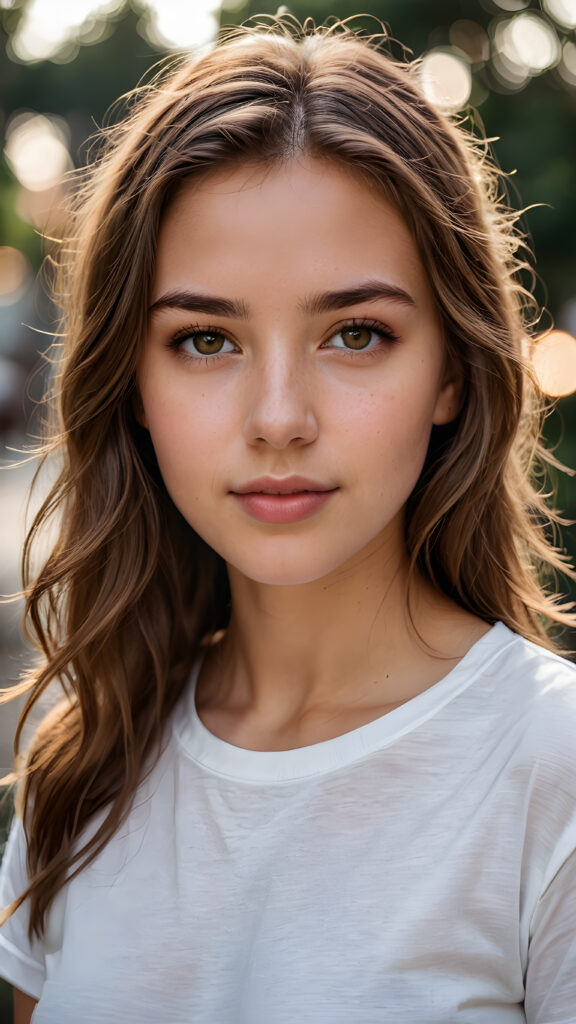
[
  {"x": 21, "y": 961},
  {"x": 551, "y": 971}
]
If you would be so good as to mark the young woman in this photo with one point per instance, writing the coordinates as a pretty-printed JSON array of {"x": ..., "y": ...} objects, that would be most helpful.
[{"x": 315, "y": 758}]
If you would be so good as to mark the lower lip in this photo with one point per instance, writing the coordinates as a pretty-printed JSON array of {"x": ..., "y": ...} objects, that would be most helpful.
[{"x": 283, "y": 508}]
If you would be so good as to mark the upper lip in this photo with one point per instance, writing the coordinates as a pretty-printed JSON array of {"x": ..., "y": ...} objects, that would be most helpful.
[{"x": 281, "y": 485}]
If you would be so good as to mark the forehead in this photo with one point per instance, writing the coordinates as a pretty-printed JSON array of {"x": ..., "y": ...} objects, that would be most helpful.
[{"x": 306, "y": 221}]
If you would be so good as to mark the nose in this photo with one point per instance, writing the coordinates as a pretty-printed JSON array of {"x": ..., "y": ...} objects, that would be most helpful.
[{"x": 280, "y": 404}]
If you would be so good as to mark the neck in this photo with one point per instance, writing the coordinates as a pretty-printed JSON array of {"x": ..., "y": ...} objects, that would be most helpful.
[{"x": 339, "y": 641}]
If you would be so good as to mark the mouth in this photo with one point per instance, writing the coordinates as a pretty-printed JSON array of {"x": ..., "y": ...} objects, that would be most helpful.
[
  {"x": 283, "y": 501},
  {"x": 286, "y": 486},
  {"x": 296, "y": 490}
]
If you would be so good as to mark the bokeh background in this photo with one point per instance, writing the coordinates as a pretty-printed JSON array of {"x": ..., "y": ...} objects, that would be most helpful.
[{"x": 65, "y": 62}]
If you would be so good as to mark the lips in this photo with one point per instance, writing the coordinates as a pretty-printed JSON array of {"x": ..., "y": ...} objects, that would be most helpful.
[
  {"x": 285, "y": 485},
  {"x": 283, "y": 501}
]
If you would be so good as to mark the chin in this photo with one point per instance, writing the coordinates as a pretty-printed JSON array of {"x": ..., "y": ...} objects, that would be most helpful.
[{"x": 284, "y": 575}]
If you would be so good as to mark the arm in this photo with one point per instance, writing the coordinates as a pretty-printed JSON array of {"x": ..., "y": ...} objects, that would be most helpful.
[
  {"x": 23, "y": 1007},
  {"x": 22, "y": 963},
  {"x": 551, "y": 974}
]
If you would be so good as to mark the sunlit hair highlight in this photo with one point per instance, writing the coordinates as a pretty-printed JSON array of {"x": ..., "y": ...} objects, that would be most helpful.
[{"x": 121, "y": 605}]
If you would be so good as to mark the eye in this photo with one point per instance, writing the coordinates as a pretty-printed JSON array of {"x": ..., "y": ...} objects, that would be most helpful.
[
  {"x": 360, "y": 336},
  {"x": 201, "y": 343}
]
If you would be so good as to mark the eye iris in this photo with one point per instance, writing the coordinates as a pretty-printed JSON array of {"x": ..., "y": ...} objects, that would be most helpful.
[
  {"x": 208, "y": 344},
  {"x": 356, "y": 337}
]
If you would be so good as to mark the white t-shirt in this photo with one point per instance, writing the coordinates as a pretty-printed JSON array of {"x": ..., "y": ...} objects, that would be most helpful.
[{"x": 421, "y": 868}]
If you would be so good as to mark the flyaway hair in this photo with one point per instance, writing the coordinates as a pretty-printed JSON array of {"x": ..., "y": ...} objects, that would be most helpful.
[{"x": 121, "y": 605}]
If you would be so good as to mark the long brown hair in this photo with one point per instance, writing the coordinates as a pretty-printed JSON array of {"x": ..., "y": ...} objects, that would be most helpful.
[{"x": 121, "y": 604}]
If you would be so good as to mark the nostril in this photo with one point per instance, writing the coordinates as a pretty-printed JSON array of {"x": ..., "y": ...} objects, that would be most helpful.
[{"x": 280, "y": 424}]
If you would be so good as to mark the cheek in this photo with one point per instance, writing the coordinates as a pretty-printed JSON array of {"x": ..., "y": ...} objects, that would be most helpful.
[
  {"x": 184, "y": 440},
  {"x": 399, "y": 422},
  {"x": 396, "y": 437}
]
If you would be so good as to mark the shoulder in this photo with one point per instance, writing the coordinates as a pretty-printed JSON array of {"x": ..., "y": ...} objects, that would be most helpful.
[
  {"x": 535, "y": 674},
  {"x": 523, "y": 706},
  {"x": 523, "y": 703},
  {"x": 521, "y": 684},
  {"x": 541, "y": 716},
  {"x": 537, "y": 686}
]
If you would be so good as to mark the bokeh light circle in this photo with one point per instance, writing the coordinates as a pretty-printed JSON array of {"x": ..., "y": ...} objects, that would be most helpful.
[
  {"x": 554, "y": 361},
  {"x": 36, "y": 151},
  {"x": 49, "y": 29},
  {"x": 563, "y": 11},
  {"x": 528, "y": 42},
  {"x": 175, "y": 25},
  {"x": 567, "y": 66},
  {"x": 512, "y": 5},
  {"x": 446, "y": 80}
]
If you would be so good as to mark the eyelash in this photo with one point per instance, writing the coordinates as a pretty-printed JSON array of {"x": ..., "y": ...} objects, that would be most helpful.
[
  {"x": 385, "y": 334},
  {"x": 190, "y": 332}
]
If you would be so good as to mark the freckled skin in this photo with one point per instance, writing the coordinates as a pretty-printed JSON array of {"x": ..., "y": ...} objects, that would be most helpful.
[{"x": 283, "y": 401}]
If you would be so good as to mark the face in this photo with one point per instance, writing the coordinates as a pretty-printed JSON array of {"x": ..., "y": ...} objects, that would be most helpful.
[{"x": 293, "y": 346}]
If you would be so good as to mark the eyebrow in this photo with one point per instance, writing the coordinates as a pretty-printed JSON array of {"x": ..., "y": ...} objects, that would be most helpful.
[{"x": 322, "y": 302}]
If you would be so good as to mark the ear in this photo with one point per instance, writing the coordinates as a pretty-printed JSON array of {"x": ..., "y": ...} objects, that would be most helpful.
[{"x": 449, "y": 400}]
